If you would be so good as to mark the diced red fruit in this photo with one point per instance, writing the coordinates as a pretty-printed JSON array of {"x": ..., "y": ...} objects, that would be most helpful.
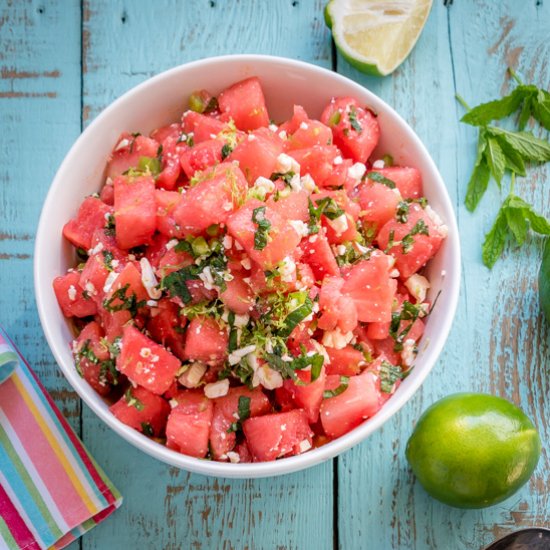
[
  {"x": 274, "y": 435},
  {"x": 407, "y": 179},
  {"x": 339, "y": 176},
  {"x": 172, "y": 150},
  {"x": 206, "y": 341},
  {"x": 135, "y": 210},
  {"x": 356, "y": 130},
  {"x": 237, "y": 296},
  {"x": 212, "y": 200},
  {"x": 166, "y": 327},
  {"x": 93, "y": 276},
  {"x": 347, "y": 361},
  {"x": 203, "y": 127},
  {"x": 304, "y": 132},
  {"x": 282, "y": 238},
  {"x": 294, "y": 206},
  {"x": 368, "y": 282},
  {"x": 283, "y": 399},
  {"x": 189, "y": 423},
  {"x": 257, "y": 154},
  {"x": 172, "y": 261},
  {"x": 378, "y": 331},
  {"x": 307, "y": 395},
  {"x": 201, "y": 156},
  {"x": 317, "y": 161},
  {"x": 145, "y": 362},
  {"x": 226, "y": 413},
  {"x": 244, "y": 102},
  {"x": 70, "y": 296},
  {"x": 359, "y": 401},
  {"x": 319, "y": 256},
  {"x": 160, "y": 135},
  {"x": 107, "y": 194},
  {"x": 128, "y": 155},
  {"x": 129, "y": 277},
  {"x": 378, "y": 203},
  {"x": 142, "y": 410},
  {"x": 293, "y": 123},
  {"x": 199, "y": 293},
  {"x": 423, "y": 247},
  {"x": 166, "y": 202},
  {"x": 92, "y": 371},
  {"x": 91, "y": 215},
  {"x": 386, "y": 347}
]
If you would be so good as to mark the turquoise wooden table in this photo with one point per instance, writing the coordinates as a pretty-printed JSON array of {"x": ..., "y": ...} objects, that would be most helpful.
[{"x": 62, "y": 62}]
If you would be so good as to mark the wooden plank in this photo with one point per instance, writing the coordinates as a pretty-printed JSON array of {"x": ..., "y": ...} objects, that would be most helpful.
[
  {"x": 499, "y": 341},
  {"x": 123, "y": 44},
  {"x": 40, "y": 118}
]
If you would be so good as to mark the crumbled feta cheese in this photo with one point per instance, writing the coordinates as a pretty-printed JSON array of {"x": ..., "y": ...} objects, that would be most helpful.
[
  {"x": 340, "y": 250},
  {"x": 238, "y": 245},
  {"x": 245, "y": 262},
  {"x": 296, "y": 183},
  {"x": 114, "y": 264},
  {"x": 206, "y": 277},
  {"x": 236, "y": 355},
  {"x": 109, "y": 281},
  {"x": 307, "y": 183},
  {"x": 418, "y": 286},
  {"x": 282, "y": 134},
  {"x": 152, "y": 303},
  {"x": 340, "y": 224},
  {"x": 149, "y": 280},
  {"x": 233, "y": 457},
  {"x": 408, "y": 354},
  {"x": 131, "y": 257},
  {"x": 251, "y": 137},
  {"x": 108, "y": 181},
  {"x": 121, "y": 144},
  {"x": 227, "y": 206},
  {"x": 360, "y": 248},
  {"x": 443, "y": 273},
  {"x": 263, "y": 186},
  {"x": 357, "y": 171},
  {"x": 338, "y": 160},
  {"x": 90, "y": 288},
  {"x": 319, "y": 347},
  {"x": 173, "y": 403},
  {"x": 171, "y": 244},
  {"x": 192, "y": 376},
  {"x": 300, "y": 227},
  {"x": 286, "y": 163},
  {"x": 378, "y": 164},
  {"x": 287, "y": 269},
  {"x": 273, "y": 127},
  {"x": 305, "y": 445},
  {"x": 267, "y": 377},
  {"x": 216, "y": 389},
  {"x": 304, "y": 126},
  {"x": 96, "y": 249},
  {"x": 241, "y": 320},
  {"x": 336, "y": 339},
  {"x": 72, "y": 293},
  {"x": 394, "y": 273},
  {"x": 227, "y": 241}
]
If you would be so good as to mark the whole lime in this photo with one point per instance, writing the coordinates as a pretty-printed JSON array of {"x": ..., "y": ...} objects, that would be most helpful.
[
  {"x": 544, "y": 281},
  {"x": 472, "y": 450}
]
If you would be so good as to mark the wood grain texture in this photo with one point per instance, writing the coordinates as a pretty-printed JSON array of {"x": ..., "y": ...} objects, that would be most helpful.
[
  {"x": 61, "y": 63},
  {"x": 39, "y": 120}
]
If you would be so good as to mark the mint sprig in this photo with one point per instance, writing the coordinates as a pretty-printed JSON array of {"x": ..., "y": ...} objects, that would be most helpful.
[{"x": 500, "y": 151}]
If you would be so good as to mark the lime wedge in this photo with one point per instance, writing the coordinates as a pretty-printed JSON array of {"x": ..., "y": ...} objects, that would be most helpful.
[{"x": 375, "y": 36}]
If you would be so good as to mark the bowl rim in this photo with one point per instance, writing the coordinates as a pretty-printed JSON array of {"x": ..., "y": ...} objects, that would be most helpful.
[{"x": 314, "y": 456}]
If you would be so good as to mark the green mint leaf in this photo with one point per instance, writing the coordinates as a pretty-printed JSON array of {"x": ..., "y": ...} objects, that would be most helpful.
[
  {"x": 147, "y": 429},
  {"x": 525, "y": 113},
  {"x": 294, "y": 318},
  {"x": 541, "y": 108},
  {"x": 125, "y": 302},
  {"x": 378, "y": 177},
  {"x": 494, "y": 110},
  {"x": 226, "y": 150},
  {"x": 344, "y": 382},
  {"x": 243, "y": 409},
  {"x": 494, "y": 242},
  {"x": 539, "y": 223},
  {"x": 495, "y": 159},
  {"x": 389, "y": 375},
  {"x": 176, "y": 282},
  {"x": 479, "y": 179},
  {"x": 517, "y": 224},
  {"x": 514, "y": 161},
  {"x": 133, "y": 401},
  {"x": 261, "y": 236},
  {"x": 402, "y": 213},
  {"x": 525, "y": 143}
]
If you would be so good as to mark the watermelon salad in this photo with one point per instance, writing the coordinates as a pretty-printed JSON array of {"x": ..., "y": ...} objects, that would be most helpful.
[{"x": 247, "y": 290}]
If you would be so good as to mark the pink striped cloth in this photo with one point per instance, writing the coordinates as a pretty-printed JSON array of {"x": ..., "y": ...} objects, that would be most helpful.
[{"x": 51, "y": 489}]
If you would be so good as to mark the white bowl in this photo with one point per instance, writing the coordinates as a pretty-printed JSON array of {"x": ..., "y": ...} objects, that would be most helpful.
[{"x": 160, "y": 100}]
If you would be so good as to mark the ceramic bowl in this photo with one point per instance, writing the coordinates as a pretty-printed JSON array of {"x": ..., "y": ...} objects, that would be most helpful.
[{"x": 159, "y": 101}]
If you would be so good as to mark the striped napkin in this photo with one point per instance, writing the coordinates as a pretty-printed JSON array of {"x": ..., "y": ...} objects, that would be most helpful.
[{"x": 51, "y": 489}]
